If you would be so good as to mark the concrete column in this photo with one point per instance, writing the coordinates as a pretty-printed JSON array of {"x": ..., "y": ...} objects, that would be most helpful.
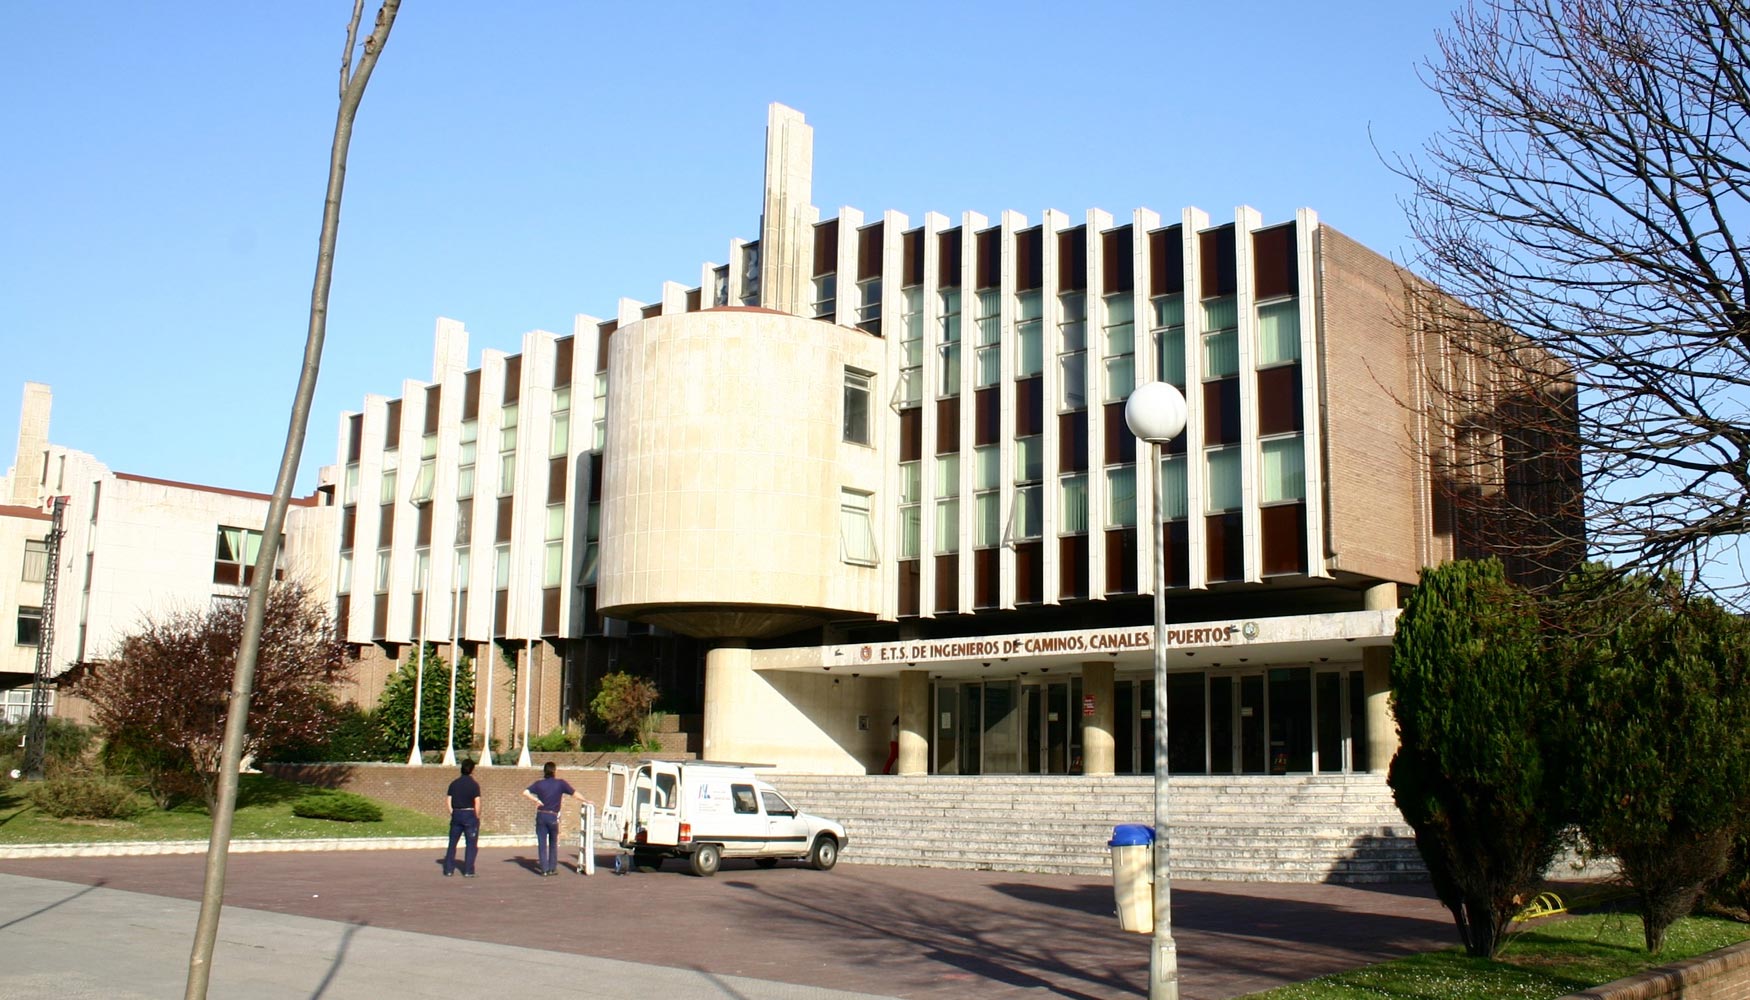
[
  {"x": 728, "y": 674},
  {"x": 1097, "y": 742},
  {"x": 914, "y": 722},
  {"x": 1382, "y": 729}
]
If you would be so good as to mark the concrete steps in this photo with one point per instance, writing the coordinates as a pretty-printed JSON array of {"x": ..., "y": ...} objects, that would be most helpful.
[{"x": 1294, "y": 828}]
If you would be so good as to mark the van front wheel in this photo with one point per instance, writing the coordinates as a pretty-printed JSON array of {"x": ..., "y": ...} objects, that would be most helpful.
[
  {"x": 825, "y": 854},
  {"x": 706, "y": 860}
]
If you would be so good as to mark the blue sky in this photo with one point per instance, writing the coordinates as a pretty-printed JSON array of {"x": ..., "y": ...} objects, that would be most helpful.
[{"x": 515, "y": 165}]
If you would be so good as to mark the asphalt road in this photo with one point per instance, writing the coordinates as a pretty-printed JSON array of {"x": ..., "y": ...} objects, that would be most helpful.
[{"x": 386, "y": 924}]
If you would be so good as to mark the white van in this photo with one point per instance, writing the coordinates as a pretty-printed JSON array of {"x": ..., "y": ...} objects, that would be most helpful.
[{"x": 705, "y": 812}]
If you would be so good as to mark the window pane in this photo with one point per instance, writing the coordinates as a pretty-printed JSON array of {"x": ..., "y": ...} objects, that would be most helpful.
[
  {"x": 382, "y": 570},
  {"x": 988, "y": 468},
  {"x": 555, "y": 522},
  {"x": 1283, "y": 475},
  {"x": 910, "y": 482},
  {"x": 465, "y": 481},
  {"x": 1029, "y": 349},
  {"x": 1073, "y": 508},
  {"x": 1221, "y": 354},
  {"x": 1170, "y": 355},
  {"x": 910, "y": 517},
  {"x": 562, "y": 399},
  {"x": 1072, "y": 326},
  {"x": 1120, "y": 377},
  {"x": 1029, "y": 512},
  {"x": 1029, "y": 459},
  {"x": 1224, "y": 479},
  {"x": 350, "y": 494},
  {"x": 990, "y": 366},
  {"x": 501, "y": 567},
  {"x": 947, "y": 527},
  {"x": 1279, "y": 332},
  {"x": 1173, "y": 487},
  {"x": 950, "y": 332},
  {"x": 1121, "y": 496},
  {"x": 858, "y": 386},
  {"x": 553, "y": 565},
  {"x": 1220, "y": 314},
  {"x": 986, "y": 528},
  {"x": 506, "y": 475},
  {"x": 386, "y": 491},
  {"x": 423, "y": 483},
  {"x": 1073, "y": 380},
  {"x": 428, "y": 446},
  {"x": 947, "y": 476},
  {"x": 989, "y": 318},
  {"x": 560, "y": 442},
  {"x": 950, "y": 370},
  {"x": 856, "y": 530}
]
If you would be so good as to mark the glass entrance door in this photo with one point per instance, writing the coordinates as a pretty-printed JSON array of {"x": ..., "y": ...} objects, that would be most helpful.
[{"x": 1253, "y": 725}]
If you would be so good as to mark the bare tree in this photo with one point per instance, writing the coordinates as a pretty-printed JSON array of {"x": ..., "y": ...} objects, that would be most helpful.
[
  {"x": 1584, "y": 200},
  {"x": 352, "y": 90}
]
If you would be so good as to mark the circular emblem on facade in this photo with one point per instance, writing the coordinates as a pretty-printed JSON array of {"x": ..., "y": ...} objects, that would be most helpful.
[
  {"x": 866, "y": 653},
  {"x": 1249, "y": 630}
]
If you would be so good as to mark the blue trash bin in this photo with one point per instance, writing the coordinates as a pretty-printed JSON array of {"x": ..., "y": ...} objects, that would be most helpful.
[{"x": 1132, "y": 847}]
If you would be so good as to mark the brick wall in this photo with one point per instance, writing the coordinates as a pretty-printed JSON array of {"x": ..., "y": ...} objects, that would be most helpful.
[
  {"x": 1378, "y": 515},
  {"x": 1720, "y": 975},
  {"x": 502, "y": 808}
]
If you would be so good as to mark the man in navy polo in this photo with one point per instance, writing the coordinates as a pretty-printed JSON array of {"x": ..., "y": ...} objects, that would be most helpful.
[
  {"x": 463, "y": 801},
  {"x": 546, "y": 794}
]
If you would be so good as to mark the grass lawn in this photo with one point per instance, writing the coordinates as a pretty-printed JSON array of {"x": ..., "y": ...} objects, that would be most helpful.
[
  {"x": 1551, "y": 957},
  {"x": 264, "y": 812}
]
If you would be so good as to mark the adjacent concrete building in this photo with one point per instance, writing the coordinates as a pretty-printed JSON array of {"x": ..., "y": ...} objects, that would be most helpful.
[{"x": 870, "y": 482}]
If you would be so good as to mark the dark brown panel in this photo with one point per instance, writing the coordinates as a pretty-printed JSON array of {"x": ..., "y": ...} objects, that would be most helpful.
[
  {"x": 1029, "y": 406},
  {"x": 355, "y": 430},
  {"x": 1166, "y": 261},
  {"x": 349, "y": 522},
  {"x": 227, "y": 572},
  {"x": 604, "y": 333},
  {"x": 911, "y": 434},
  {"x": 550, "y": 611},
  {"x": 563, "y": 350},
  {"x": 1177, "y": 536},
  {"x": 1029, "y": 572},
  {"x": 987, "y": 425},
  {"x": 911, "y": 264},
  {"x": 1072, "y": 442},
  {"x": 1029, "y": 259},
  {"x": 948, "y": 583},
  {"x": 342, "y": 611},
  {"x": 948, "y": 425},
  {"x": 379, "y": 616},
  {"x": 595, "y": 477},
  {"x": 513, "y": 378},
  {"x": 1284, "y": 530},
  {"x": 1226, "y": 547},
  {"x": 1273, "y": 266},
  {"x": 592, "y": 622},
  {"x": 1120, "y": 443},
  {"x": 502, "y": 528},
  {"x": 1072, "y": 567},
  {"x": 1072, "y": 259},
  {"x": 948, "y": 258},
  {"x": 909, "y": 579},
  {"x": 651, "y": 310},
  {"x": 1215, "y": 249},
  {"x": 500, "y": 612},
  {"x": 385, "y": 524},
  {"x": 433, "y": 396},
  {"x": 392, "y": 426},
  {"x": 693, "y": 300},
  {"x": 471, "y": 395},
  {"x": 985, "y": 563},
  {"x": 1121, "y": 561},
  {"x": 1279, "y": 400},
  {"x": 422, "y": 533},
  {"x": 990, "y": 258},
  {"x": 556, "y": 469},
  {"x": 826, "y": 247},
  {"x": 418, "y": 616},
  {"x": 869, "y": 240},
  {"x": 1117, "y": 261},
  {"x": 1221, "y": 411}
]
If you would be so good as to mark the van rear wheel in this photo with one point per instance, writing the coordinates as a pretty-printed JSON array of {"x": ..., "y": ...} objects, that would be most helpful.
[
  {"x": 706, "y": 860},
  {"x": 825, "y": 854}
]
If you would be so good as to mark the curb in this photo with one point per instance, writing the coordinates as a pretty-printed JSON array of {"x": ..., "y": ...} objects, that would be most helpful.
[{"x": 147, "y": 848}]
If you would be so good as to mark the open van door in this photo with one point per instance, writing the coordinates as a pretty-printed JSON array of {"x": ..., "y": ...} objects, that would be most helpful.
[
  {"x": 660, "y": 780},
  {"x": 616, "y": 803}
]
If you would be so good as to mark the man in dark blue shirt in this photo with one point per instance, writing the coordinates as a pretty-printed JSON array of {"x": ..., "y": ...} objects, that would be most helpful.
[
  {"x": 463, "y": 801},
  {"x": 546, "y": 794}
]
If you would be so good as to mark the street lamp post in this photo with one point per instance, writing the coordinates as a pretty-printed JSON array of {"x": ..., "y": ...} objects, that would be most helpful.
[
  {"x": 455, "y": 654},
  {"x": 1155, "y": 413},
  {"x": 491, "y": 627}
]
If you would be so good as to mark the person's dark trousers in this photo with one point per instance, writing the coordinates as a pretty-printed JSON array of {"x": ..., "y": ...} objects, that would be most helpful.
[
  {"x": 463, "y": 823},
  {"x": 547, "y": 840}
]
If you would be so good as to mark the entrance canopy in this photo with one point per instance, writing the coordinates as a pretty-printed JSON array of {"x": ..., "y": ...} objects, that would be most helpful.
[{"x": 1256, "y": 642}]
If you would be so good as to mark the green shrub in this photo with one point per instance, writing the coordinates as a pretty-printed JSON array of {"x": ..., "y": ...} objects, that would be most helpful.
[
  {"x": 353, "y": 734},
  {"x": 623, "y": 704},
  {"x": 344, "y": 807},
  {"x": 87, "y": 797},
  {"x": 64, "y": 747},
  {"x": 555, "y": 740}
]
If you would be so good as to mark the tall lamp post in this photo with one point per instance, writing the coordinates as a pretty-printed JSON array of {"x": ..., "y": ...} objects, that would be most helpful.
[
  {"x": 413, "y": 757},
  {"x": 1155, "y": 413},
  {"x": 455, "y": 632}
]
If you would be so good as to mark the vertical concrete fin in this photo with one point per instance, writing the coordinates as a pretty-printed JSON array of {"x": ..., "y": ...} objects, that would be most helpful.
[
  {"x": 785, "y": 237},
  {"x": 33, "y": 444}
]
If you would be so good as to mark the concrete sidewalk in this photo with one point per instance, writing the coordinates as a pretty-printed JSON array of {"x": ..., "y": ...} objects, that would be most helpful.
[
  {"x": 387, "y": 924},
  {"x": 66, "y": 940}
]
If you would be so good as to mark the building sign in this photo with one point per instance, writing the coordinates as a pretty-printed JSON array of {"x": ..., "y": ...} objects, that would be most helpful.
[
  {"x": 1087, "y": 704},
  {"x": 1044, "y": 644}
]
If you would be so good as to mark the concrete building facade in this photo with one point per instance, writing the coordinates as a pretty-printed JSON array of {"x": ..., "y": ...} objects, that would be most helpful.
[{"x": 869, "y": 482}]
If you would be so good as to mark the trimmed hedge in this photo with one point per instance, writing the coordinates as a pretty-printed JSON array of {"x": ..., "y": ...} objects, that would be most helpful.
[
  {"x": 86, "y": 798},
  {"x": 342, "y": 807}
]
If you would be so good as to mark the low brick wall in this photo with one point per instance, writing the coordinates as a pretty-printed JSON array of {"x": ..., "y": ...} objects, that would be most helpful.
[
  {"x": 502, "y": 806},
  {"x": 1718, "y": 975}
]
